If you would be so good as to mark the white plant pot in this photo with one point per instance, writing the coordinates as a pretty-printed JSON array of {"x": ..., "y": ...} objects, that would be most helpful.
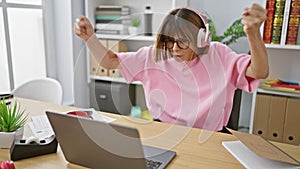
[
  {"x": 133, "y": 30},
  {"x": 7, "y": 138}
]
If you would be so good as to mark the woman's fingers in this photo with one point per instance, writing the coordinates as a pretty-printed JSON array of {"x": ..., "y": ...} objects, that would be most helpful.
[
  {"x": 83, "y": 28},
  {"x": 253, "y": 17}
]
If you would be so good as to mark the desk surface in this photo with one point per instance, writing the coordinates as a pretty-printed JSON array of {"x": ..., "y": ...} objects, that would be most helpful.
[{"x": 184, "y": 140}]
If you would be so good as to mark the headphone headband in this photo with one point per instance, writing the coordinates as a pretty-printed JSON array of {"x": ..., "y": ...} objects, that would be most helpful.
[{"x": 203, "y": 38}]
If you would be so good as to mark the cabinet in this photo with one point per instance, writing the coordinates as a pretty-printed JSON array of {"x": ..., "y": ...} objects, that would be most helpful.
[{"x": 277, "y": 117}]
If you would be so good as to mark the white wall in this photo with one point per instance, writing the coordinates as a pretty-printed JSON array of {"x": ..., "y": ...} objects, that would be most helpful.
[
  {"x": 81, "y": 88},
  {"x": 67, "y": 55},
  {"x": 63, "y": 46}
]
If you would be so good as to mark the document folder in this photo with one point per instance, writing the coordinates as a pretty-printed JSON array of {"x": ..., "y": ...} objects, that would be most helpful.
[{"x": 263, "y": 148}]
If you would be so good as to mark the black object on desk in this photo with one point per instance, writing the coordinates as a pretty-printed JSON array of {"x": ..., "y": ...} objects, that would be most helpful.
[
  {"x": 22, "y": 149},
  {"x": 6, "y": 96}
]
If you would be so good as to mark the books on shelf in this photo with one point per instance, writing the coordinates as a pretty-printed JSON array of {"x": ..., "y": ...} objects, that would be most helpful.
[
  {"x": 282, "y": 23},
  {"x": 280, "y": 85},
  {"x": 277, "y": 22},
  {"x": 268, "y": 26},
  {"x": 112, "y": 19},
  {"x": 293, "y": 23}
]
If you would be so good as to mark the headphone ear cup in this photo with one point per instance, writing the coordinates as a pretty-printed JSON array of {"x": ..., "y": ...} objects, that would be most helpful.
[{"x": 201, "y": 38}]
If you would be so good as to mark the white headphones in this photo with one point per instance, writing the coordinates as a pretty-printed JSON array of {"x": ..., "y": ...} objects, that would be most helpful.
[{"x": 203, "y": 37}]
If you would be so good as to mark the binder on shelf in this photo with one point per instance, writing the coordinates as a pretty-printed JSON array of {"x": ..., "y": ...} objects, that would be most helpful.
[
  {"x": 276, "y": 118},
  {"x": 261, "y": 115},
  {"x": 116, "y": 46},
  {"x": 291, "y": 133},
  {"x": 95, "y": 67},
  {"x": 114, "y": 73}
]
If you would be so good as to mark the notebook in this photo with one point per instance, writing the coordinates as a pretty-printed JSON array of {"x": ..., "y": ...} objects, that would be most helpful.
[{"x": 97, "y": 144}]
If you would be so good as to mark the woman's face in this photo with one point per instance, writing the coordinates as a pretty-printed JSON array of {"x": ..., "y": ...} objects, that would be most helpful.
[{"x": 180, "y": 49}]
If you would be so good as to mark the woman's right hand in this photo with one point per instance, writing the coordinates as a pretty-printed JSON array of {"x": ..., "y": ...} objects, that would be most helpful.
[{"x": 83, "y": 28}]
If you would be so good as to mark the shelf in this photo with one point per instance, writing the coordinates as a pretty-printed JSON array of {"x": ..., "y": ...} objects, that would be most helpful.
[
  {"x": 273, "y": 46},
  {"x": 112, "y": 79},
  {"x": 126, "y": 37},
  {"x": 259, "y": 90}
]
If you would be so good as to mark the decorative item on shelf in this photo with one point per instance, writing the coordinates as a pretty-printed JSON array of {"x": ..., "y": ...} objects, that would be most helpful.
[
  {"x": 12, "y": 121},
  {"x": 148, "y": 21},
  {"x": 134, "y": 24},
  {"x": 232, "y": 33}
]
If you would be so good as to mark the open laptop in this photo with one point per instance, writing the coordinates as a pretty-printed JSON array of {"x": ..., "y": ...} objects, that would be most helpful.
[{"x": 96, "y": 144}]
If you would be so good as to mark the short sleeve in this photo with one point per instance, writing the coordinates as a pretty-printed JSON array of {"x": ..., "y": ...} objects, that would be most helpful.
[
  {"x": 132, "y": 64},
  {"x": 243, "y": 82}
]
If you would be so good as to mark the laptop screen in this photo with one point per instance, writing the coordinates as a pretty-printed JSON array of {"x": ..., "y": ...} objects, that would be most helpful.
[{"x": 94, "y": 144}]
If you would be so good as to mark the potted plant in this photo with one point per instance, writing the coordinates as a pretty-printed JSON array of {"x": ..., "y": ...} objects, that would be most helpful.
[
  {"x": 134, "y": 24},
  {"x": 232, "y": 33},
  {"x": 12, "y": 120}
]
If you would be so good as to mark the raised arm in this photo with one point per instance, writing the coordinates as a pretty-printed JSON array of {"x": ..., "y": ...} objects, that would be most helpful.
[
  {"x": 84, "y": 29},
  {"x": 253, "y": 18}
]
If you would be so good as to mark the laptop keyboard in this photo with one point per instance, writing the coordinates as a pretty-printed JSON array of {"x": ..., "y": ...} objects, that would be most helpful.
[{"x": 151, "y": 164}]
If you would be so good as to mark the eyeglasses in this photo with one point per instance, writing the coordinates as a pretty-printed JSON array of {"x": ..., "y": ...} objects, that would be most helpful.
[{"x": 181, "y": 43}]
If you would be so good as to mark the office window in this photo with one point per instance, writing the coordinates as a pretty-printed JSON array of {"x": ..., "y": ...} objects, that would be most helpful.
[
  {"x": 27, "y": 43},
  {"x": 4, "y": 85},
  {"x": 29, "y": 2},
  {"x": 22, "y": 44}
]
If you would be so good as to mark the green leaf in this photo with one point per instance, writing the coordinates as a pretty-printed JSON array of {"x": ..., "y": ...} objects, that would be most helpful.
[
  {"x": 11, "y": 118},
  {"x": 232, "y": 33}
]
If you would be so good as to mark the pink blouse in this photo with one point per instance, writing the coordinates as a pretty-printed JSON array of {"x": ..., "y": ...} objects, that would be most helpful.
[{"x": 197, "y": 93}]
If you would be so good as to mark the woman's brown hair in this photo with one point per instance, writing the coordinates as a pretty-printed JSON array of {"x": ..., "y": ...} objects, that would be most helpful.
[{"x": 180, "y": 23}]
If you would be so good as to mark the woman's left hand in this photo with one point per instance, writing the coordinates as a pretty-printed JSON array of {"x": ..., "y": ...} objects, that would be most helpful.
[{"x": 253, "y": 18}]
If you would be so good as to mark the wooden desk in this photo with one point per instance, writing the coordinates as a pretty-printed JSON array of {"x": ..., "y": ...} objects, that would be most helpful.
[{"x": 183, "y": 140}]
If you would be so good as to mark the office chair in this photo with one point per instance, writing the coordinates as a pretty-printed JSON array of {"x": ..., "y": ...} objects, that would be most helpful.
[
  {"x": 43, "y": 89},
  {"x": 233, "y": 122}
]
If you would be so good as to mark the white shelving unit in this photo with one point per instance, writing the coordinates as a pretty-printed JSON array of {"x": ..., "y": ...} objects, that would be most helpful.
[
  {"x": 287, "y": 94},
  {"x": 284, "y": 64},
  {"x": 126, "y": 37},
  {"x": 287, "y": 47}
]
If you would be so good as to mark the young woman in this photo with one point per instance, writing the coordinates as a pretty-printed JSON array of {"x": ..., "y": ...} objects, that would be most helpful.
[{"x": 187, "y": 79}]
